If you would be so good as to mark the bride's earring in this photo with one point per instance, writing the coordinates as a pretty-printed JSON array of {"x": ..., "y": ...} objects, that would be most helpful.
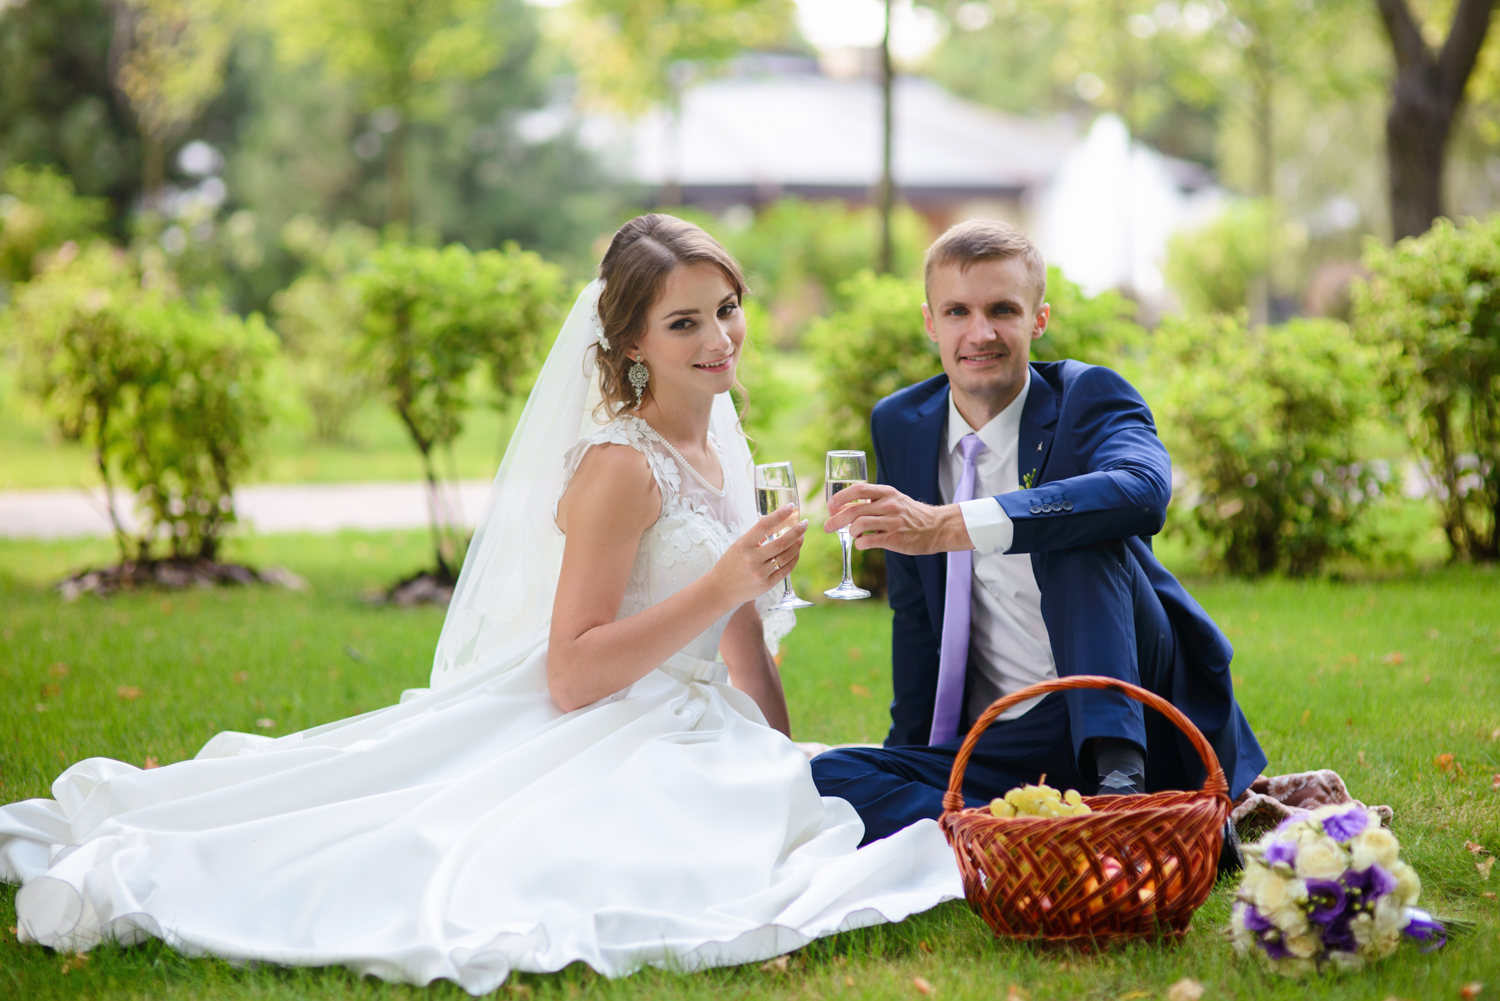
[{"x": 639, "y": 375}]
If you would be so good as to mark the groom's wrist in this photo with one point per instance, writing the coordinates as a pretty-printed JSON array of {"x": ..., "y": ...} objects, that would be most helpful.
[{"x": 953, "y": 531}]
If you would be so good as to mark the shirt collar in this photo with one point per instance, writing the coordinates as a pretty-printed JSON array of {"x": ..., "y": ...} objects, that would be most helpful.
[{"x": 1000, "y": 434}]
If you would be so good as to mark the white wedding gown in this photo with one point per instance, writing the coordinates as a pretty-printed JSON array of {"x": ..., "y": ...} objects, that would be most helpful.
[{"x": 475, "y": 828}]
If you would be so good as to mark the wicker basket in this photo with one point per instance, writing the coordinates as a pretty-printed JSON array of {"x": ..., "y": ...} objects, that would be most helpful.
[{"x": 1136, "y": 866}]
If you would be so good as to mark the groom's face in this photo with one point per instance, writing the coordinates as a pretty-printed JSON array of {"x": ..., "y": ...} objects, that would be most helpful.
[{"x": 983, "y": 319}]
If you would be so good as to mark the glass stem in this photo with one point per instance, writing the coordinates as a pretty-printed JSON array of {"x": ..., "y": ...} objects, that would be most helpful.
[{"x": 846, "y": 542}]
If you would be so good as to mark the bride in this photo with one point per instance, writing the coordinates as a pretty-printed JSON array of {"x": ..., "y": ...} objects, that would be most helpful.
[{"x": 600, "y": 771}]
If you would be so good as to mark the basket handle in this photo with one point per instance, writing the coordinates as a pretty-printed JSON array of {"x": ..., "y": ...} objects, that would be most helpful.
[{"x": 1214, "y": 784}]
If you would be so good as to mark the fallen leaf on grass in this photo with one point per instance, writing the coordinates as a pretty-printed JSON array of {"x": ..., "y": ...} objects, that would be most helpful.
[
  {"x": 1426, "y": 679},
  {"x": 1394, "y": 657},
  {"x": 74, "y": 961},
  {"x": 855, "y": 653},
  {"x": 1017, "y": 993},
  {"x": 1133, "y": 995},
  {"x": 924, "y": 946},
  {"x": 1485, "y": 867},
  {"x": 859, "y": 690},
  {"x": 1495, "y": 733},
  {"x": 14, "y": 931},
  {"x": 150, "y": 763},
  {"x": 1361, "y": 759},
  {"x": 1433, "y": 634},
  {"x": 58, "y": 670},
  {"x": 48, "y": 691},
  {"x": 777, "y": 965},
  {"x": 240, "y": 677},
  {"x": 848, "y": 981},
  {"x": 1471, "y": 990},
  {"x": 128, "y": 692},
  {"x": 1186, "y": 989},
  {"x": 1487, "y": 895},
  {"x": 922, "y": 986},
  {"x": 1444, "y": 762},
  {"x": 1475, "y": 848},
  {"x": 518, "y": 988},
  {"x": 1495, "y": 782},
  {"x": 266, "y": 724},
  {"x": 41, "y": 707},
  {"x": 1306, "y": 715}
]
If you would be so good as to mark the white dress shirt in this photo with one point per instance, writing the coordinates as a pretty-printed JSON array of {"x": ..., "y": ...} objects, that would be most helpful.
[{"x": 1008, "y": 644}]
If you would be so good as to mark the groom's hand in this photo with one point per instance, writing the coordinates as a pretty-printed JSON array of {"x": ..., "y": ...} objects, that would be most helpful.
[{"x": 891, "y": 520}]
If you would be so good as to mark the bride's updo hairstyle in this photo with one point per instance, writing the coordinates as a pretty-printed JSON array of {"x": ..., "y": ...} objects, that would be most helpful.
[{"x": 634, "y": 272}]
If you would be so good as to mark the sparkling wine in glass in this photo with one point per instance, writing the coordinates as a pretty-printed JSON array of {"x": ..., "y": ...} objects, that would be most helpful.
[
  {"x": 845, "y": 469},
  {"x": 775, "y": 487}
]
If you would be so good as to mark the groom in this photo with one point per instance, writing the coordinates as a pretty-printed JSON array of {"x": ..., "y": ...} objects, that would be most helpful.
[{"x": 1015, "y": 503}]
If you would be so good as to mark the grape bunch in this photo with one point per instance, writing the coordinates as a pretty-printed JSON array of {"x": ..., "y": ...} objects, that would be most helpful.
[{"x": 1040, "y": 800}]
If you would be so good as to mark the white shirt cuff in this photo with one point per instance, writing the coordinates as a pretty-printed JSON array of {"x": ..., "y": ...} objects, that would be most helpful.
[{"x": 990, "y": 528}]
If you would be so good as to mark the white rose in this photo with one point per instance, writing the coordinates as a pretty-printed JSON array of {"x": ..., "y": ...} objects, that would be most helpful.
[
  {"x": 1303, "y": 946},
  {"x": 1408, "y": 883},
  {"x": 1350, "y": 961},
  {"x": 1390, "y": 916},
  {"x": 1374, "y": 846},
  {"x": 1363, "y": 928},
  {"x": 1322, "y": 859},
  {"x": 1271, "y": 894}
]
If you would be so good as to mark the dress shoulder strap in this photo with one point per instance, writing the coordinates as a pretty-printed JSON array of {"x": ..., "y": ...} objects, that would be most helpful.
[{"x": 634, "y": 432}]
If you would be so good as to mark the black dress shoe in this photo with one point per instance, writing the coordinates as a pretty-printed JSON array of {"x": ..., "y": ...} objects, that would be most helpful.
[{"x": 1232, "y": 857}]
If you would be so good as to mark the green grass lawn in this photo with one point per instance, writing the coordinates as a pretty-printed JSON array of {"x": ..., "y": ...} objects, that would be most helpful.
[{"x": 1374, "y": 679}]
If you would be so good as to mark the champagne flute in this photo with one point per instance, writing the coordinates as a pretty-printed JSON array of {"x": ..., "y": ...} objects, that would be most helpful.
[
  {"x": 775, "y": 487},
  {"x": 845, "y": 469}
]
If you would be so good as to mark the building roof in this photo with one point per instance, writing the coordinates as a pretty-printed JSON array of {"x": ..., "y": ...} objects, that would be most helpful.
[{"x": 801, "y": 132}]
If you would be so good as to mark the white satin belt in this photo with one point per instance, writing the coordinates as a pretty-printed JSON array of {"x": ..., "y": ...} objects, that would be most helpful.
[{"x": 689, "y": 669}]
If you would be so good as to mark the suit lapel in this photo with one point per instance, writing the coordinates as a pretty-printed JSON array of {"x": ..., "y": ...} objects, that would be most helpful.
[
  {"x": 1038, "y": 426},
  {"x": 925, "y": 444}
]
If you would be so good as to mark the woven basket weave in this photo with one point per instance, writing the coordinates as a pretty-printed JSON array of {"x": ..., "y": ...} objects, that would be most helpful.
[{"x": 1136, "y": 866}]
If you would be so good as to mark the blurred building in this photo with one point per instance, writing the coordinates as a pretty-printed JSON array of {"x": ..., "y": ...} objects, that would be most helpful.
[{"x": 1100, "y": 205}]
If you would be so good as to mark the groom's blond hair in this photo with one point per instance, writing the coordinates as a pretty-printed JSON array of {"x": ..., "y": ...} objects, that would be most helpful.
[{"x": 986, "y": 240}]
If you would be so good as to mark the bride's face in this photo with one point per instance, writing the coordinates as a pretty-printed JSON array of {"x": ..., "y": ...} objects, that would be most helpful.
[{"x": 693, "y": 334}]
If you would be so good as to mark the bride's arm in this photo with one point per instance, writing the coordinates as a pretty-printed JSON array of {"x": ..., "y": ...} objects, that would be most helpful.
[
  {"x": 610, "y": 502},
  {"x": 751, "y": 667}
]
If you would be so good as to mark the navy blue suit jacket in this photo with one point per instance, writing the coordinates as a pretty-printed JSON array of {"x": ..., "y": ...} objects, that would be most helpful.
[{"x": 1098, "y": 473}]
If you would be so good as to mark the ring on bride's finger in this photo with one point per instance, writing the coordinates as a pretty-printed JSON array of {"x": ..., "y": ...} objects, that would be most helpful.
[{"x": 775, "y": 564}]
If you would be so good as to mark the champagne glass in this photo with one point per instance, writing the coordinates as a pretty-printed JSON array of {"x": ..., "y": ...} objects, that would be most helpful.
[
  {"x": 776, "y": 486},
  {"x": 845, "y": 469}
]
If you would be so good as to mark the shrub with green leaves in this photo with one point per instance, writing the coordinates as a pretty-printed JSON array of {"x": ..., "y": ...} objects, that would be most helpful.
[
  {"x": 168, "y": 393},
  {"x": 1099, "y": 330},
  {"x": 1432, "y": 309},
  {"x": 40, "y": 210},
  {"x": 429, "y": 319},
  {"x": 318, "y": 318},
  {"x": 1268, "y": 425},
  {"x": 1212, "y": 268}
]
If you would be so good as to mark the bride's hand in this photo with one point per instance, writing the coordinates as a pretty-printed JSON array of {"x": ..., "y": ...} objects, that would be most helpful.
[{"x": 755, "y": 563}]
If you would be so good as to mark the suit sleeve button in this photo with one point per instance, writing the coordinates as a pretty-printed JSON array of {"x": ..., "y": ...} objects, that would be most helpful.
[
  {"x": 1035, "y": 509},
  {"x": 1067, "y": 505}
]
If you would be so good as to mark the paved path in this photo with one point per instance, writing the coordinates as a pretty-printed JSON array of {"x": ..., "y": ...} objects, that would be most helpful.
[{"x": 57, "y": 514}]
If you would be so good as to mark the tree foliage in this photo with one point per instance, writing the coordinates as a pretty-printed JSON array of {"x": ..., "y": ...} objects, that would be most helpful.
[
  {"x": 1432, "y": 308},
  {"x": 168, "y": 393},
  {"x": 1269, "y": 425},
  {"x": 1099, "y": 330},
  {"x": 429, "y": 319},
  {"x": 39, "y": 210}
]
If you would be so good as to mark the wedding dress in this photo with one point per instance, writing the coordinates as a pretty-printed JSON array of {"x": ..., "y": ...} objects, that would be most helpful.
[{"x": 474, "y": 828}]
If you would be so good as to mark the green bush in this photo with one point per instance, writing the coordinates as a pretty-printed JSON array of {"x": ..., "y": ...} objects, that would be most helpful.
[
  {"x": 1100, "y": 330},
  {"x": 168, "y": 393},
  {"x": 39, "y": 210},
  {"x": 1432, "y": 309},
  {"x": 318, "y": 318},
  {"x": 429, "y": 318},
  {"x": 1212, "y": 268},
  {"x": 1268, "y": 425}
]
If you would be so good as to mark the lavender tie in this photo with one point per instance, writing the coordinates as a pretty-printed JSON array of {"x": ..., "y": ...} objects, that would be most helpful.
[{"x": 954, "y": 660}]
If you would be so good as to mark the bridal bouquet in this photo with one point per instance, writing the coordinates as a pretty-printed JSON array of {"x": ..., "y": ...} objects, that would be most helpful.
[{"x": 1328, "y": 888}]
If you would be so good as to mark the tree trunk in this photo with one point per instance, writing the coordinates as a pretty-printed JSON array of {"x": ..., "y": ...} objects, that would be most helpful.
[
  {"x": 887, "y": 181},
  {"x": 1263, "y": 82},
  {"x": 397, "y": 188},
  {"x": 1424, "y": 97}
]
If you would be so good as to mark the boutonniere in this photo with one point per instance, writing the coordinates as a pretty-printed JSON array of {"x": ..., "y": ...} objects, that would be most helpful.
[{"x": 1029, "y": 480}]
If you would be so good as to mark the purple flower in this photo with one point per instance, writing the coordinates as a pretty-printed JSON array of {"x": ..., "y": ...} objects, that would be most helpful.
[
  {"x": 1343, "y": 826},
  {"x": 1367, "y": 885},
  {"x": 1327, "y": 899},
  {"x": 1424, "y": 928},
  {"x": 1280, "y": 851},
  {"x": 1267, "y": 935},
  {"x": 1339, "y": 936}
]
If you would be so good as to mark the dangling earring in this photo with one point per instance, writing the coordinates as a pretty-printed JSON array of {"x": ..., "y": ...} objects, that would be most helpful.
[{"x": 639, "y": 375}]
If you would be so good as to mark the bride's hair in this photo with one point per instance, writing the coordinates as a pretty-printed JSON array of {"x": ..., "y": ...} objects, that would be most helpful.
[{"x": 634, "y": 272}]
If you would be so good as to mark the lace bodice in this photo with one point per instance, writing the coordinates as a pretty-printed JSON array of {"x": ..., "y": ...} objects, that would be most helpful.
[{"x": 696, "y": 526}]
